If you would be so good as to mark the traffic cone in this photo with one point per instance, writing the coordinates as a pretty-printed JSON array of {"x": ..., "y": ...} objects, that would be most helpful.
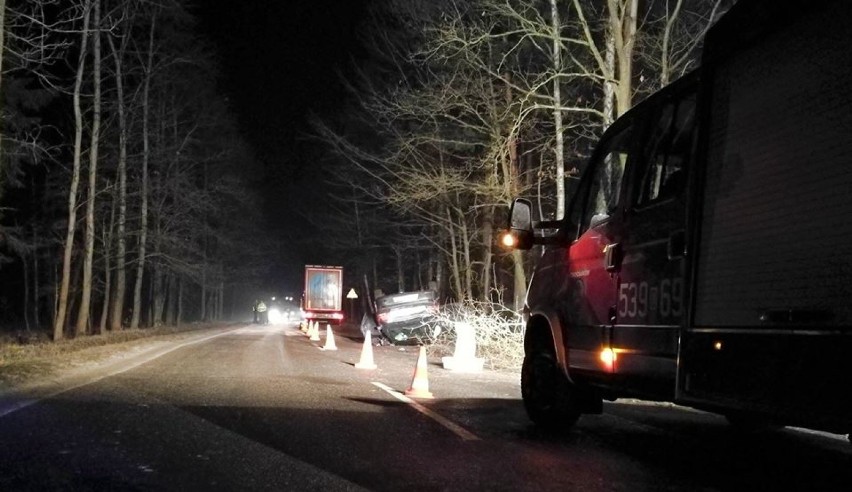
[
  {"x": 464, "y": 357},
  {"x": 420, "y": 382},
  {"x": 366, "y": 361},
  {"x": 329, "y": 339},
  {"x": 315, "y": 332}
]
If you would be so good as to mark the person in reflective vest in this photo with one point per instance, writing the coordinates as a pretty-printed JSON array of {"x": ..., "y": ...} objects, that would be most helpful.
[{"x": 261, "y": 312}]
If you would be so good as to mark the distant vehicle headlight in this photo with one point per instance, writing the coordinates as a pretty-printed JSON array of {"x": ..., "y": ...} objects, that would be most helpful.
[{"x": 275, "y": 316}]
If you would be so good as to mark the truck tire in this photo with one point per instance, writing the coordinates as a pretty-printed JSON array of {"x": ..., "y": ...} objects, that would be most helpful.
[{"x": 549, "y": 398}]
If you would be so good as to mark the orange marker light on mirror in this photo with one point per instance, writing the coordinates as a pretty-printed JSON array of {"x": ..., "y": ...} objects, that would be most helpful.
[{"x": 508, "y": 240}]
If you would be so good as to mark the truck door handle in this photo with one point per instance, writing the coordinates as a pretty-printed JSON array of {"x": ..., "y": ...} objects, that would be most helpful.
[
  {"x": 612, "y": 254},
  {"x": 676, "y": 247}
]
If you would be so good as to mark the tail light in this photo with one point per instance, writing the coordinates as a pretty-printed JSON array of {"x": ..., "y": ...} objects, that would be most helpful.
[{"x": 337, "y": 316}]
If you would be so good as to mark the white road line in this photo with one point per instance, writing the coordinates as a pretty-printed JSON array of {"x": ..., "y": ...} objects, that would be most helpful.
[
  {"x": 7, "y": 408},
  {"x": 452, "y": 426}
]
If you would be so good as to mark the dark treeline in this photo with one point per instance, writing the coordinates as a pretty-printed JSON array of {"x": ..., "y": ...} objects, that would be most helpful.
[{"x": 125, "y": 192}]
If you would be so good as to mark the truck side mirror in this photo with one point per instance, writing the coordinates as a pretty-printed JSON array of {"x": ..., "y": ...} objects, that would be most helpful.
[{"x": 520, "y": 232}]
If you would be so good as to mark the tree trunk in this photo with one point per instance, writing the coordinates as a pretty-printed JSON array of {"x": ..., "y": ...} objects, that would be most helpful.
[
  {"x": 204, "y": 291},
  {"x": 171, "y": 298},
  {"x": 180, "y": 302},
  {"x": 158, "y": 296},
  {"x": 439, "y": 275},
  {"x": 146, "y": 156},
  {"x": 117, "y": 314},
  {"x": 467, "y": 266},
  {"x": 609, "y": 84},
  {"x": 107, "y": 270},
  {"x": 375, "y": 273},
  {"x": 62, "y": 296},
  {"x": 400, "y": 274},
  {"x": 36, "y": 290},
  {"x": 520, "y": 287},
  {"x": 89, "y": 248},
  {"x": 488, "y": 244},
  {"x": 220, "y": 314},
  {"x": 102, "y": 326},
  {"x": 557, "y": 113},
  {"x": 454, "y": 257},
  {"x": 431, "y": 271},
  {"x": 25, "y": 308},
  {"x": 623, "y": 21},
  {"x": 204, "y": 265}
]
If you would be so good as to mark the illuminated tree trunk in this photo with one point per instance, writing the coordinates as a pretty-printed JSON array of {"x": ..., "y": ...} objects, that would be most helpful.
[
  {"x": 102, "y": 326},
  {"x": 62, "y": 295},
  {"x": 488, "y": 243},
  {"x": 89, "y": 248},
  {"x": 146, "y": 156},
  {"x": 117, "y": 308},
  {"x": 557, "y": 112},
  {"x": 623, "y": 18}
]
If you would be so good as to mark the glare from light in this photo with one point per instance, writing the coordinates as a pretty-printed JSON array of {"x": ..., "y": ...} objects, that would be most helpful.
[
  {"x": 275, "y": 316},
  {"x": 508, "y": 240},
  {"x": 608, "y": 357}
]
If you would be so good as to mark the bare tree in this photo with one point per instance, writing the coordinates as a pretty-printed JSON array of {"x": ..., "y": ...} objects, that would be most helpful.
[
  {"x": 119, "y": 293},
  {"x": 62, "y": 298},
  {"x": 462, "y": 127},
  {"x": 674, "y": 35},
  {"x": 147, "y": 40},
  {"x": 89, "y": 247},
  {"x": 146, "y": 156}
]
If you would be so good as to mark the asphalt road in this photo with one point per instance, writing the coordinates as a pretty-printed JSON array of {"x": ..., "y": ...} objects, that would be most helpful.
[{"x": 263, "y": 408}]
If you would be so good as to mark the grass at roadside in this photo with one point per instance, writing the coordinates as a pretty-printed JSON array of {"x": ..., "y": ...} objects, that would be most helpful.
[{"x": 21, "y": 363}]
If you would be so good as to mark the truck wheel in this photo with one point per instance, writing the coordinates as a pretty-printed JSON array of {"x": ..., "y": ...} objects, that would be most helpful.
[{"x": 548, "y": 396}]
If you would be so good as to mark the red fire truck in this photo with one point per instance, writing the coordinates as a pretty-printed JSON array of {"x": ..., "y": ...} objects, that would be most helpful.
[{"x": 706, "y": 257}]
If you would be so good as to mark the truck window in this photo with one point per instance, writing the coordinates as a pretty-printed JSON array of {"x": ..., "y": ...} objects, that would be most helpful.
[
  {"x": 668, "y": 150},
  {"x": 599, "y": 195}
]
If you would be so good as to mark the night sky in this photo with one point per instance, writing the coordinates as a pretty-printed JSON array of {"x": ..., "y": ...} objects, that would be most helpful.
[{"x": 281, "y": 61}]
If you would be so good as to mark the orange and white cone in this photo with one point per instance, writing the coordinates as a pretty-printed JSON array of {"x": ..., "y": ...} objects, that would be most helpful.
[
  {"x": 420, "y": 382},
  {"x": 329, "y": 339},
  {"x": 366, "y": 361},
  {"x": 314, "y": 331}
]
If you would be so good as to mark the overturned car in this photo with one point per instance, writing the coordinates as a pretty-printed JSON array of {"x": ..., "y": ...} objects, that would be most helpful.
[{"x": 408, "y": 318}]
